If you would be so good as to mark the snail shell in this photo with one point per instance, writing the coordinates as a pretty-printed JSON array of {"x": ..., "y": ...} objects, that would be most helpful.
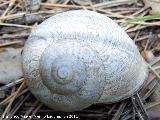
[{"x": 80, "y": 57}]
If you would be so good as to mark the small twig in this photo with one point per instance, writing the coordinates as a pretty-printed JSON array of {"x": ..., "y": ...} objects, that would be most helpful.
[
  {"x": 142, "y": 108},
  {"x": 134, "y": 113},
  {"x": 146, "y": 46},
  {"x": 142, "y": 38},
  {"x": 155, "y": 61},
  {"x": 152, "y": 104},
  {"x": 135, "y": 29},
  {"x": 136, "y": 36},
  {"x": 4, "y": 3},
  {"x": 12, "y": 16},
  {"x": 139, "y": 11},
  {"x": 14, "y": 110},
  {"x": 5, "y": 101},
  {"x": 120, "y": 110},
  {"x": 30, "y": 110},
  {"x": 147, "y": 23},
  {"x": 151, "y": 90},
  {"x": 158, "y": 76},
  {"x": 135, "y": 107},
  {"x": 113, "y": 3},
  {"x": 12, "y": 2},
  {"x": 10, "y": 43},
  {"x": 14, "y": 36},
  {"x": 111, "y": 14},
  {"x": 142, "y": 14},
  {"x": 63, "y": 6},
  {"x": 11, "y": 84},
  {"x": 15, "y": 25},
  {"x": 111, "y": 110},
  {"x": 156, "y": 67},
  {"x": 35, "y": 111},
  {"x": 124, "y": 9},
  {"x": 13, "y": 98},
  {"x": 126, "y": 114},
  {"x": 124, "y": 12}
]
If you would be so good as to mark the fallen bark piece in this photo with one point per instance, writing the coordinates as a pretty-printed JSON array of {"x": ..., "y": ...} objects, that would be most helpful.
[
  {"x": 10, "y": 65},
  {"x": 27, "y": 19},
  {"x": 155, "y": 6},
  {"x": 32, "y": 5},
  {"x": 154, "y": 115}
]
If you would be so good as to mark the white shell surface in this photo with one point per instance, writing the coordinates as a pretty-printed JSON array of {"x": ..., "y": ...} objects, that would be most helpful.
[{"x": 104, "y": 63}]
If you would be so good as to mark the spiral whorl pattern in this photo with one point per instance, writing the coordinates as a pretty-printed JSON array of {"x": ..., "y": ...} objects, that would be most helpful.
[
  {"x": 80, "y": 57},
  {"x": 63, "y": 68}
]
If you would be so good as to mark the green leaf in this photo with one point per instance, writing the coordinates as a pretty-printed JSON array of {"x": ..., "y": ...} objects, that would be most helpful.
[{"x": 139, "y": 20}]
